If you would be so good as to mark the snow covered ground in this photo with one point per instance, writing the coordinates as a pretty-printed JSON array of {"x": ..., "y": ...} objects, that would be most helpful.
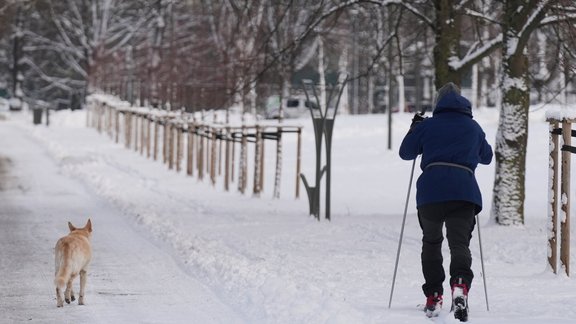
[{"x": 171, "y": 249}]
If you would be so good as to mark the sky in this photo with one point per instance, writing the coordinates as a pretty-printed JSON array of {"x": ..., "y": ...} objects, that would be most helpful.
[{"x": 169, "y": 248}]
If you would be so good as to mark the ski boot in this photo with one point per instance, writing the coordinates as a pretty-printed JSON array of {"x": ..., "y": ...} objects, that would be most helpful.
[
  {"x": 460, "y": 301},
  {"x": 433, "y": 305}
]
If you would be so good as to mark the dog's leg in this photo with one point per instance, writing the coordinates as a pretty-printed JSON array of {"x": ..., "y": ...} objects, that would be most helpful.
[
  {"x": 67, "y": 291},
  {"x": 82, "y": 285},
  {"x": 59, "y": 301},
  {"x": 69, "y": 294},
  {"x": 71, "y": 285}
]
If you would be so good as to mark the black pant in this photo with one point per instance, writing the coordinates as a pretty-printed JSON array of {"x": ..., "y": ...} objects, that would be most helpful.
[{"x": 459, "y": 219}]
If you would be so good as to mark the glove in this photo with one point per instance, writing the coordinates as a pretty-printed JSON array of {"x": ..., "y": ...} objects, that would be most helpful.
[{"x": 416, "y": 120}]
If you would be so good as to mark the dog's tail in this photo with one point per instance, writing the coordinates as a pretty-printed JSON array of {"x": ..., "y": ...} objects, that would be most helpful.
[{"x": 62, "y": 271}]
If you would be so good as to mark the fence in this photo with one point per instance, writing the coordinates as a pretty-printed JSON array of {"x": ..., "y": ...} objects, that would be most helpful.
[
  {"x": 182, "y": 141},
  {"x": 560, "y": 125}
]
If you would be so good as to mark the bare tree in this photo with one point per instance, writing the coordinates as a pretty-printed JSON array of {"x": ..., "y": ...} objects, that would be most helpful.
[
  {"x": 154, "y": 60},
  {"x": 86, "y": 32},
  {"x": 520, "y": 20},
  {"x": 17, "y": 54},
  {"x": 237, "y": 34}
]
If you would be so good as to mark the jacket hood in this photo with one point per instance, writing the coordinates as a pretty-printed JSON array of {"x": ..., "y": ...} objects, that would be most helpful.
[{"x": 450, "y": 99}]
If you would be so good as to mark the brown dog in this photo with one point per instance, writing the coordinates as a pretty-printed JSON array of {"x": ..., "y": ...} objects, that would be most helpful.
[{"x": 73, "y": 254}]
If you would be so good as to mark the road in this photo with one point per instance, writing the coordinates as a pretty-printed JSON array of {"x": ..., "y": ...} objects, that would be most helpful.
[{"x": 131, "y": 280}]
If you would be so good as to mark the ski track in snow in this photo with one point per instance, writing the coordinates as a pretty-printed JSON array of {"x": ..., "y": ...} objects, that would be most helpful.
[{"x": 180, "y": 242}]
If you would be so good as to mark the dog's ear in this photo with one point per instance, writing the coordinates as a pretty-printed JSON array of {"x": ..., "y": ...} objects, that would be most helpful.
[
  {"x": 88, "y": 226},
  {"x": 71, "y": 227}
]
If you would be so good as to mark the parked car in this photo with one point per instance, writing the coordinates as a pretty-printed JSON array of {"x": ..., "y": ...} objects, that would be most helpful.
[{"x": 294, "y": 107}]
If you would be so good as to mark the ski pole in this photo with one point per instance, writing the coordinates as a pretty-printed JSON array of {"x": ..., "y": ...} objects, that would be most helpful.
[
  {"x": 401, "y": 234},
  {"x": 482, "y": 262}
]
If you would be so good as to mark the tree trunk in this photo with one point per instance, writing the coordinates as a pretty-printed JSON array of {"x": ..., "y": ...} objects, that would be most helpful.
[
  {"x": 447, "y": 31},
  {"x": 17, "y": 54},
  {"x": 156, "y": 55},
  {"x": 512, "y": 136}
]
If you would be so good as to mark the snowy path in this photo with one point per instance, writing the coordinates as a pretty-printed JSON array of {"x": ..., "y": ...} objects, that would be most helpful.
[{"x": 130, "y": 281}]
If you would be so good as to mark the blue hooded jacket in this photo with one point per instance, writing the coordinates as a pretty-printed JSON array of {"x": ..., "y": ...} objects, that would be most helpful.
[{"x": 449, "y": 136}]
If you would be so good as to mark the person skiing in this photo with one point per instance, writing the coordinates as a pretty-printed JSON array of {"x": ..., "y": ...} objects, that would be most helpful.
[{"x": 452, "y": 144}]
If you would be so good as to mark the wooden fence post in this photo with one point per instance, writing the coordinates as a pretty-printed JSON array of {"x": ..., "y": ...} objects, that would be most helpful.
[
  {"x": 227, "y": 160},
  {"x": 170, "y": 146},
  {"x": 257, "y": 153},
  {"x": 208, "y": 149},
  {"x": 117, "y": 125},
  {"x": 179, "y": 148},
  {"x": 262, "y": 159},
  {"x": 213, "y": 148},
  {"x": 136, "y": 131},
  {"x": 298, "y": 161},
  {"x": 552, "y": 199},
  {"x": 99, "y": 117},
  {"x": 190, "y": 160},
  {"x": 142, "y": 133},
  {"x": 127, "y": 128},
  {"x": 108, "y": 114},
  {"x": 565, "y": 199},
  {"x": 156, "y": 130},
  {"x": 242, "y": 169},
  {"x": 200, "y": 154},
  {"x": 278, "y": 169},
  {"x": 220, "y": 137},
  {"x": 165, "y": 133},
  {"x": 148, "y": 133}
]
